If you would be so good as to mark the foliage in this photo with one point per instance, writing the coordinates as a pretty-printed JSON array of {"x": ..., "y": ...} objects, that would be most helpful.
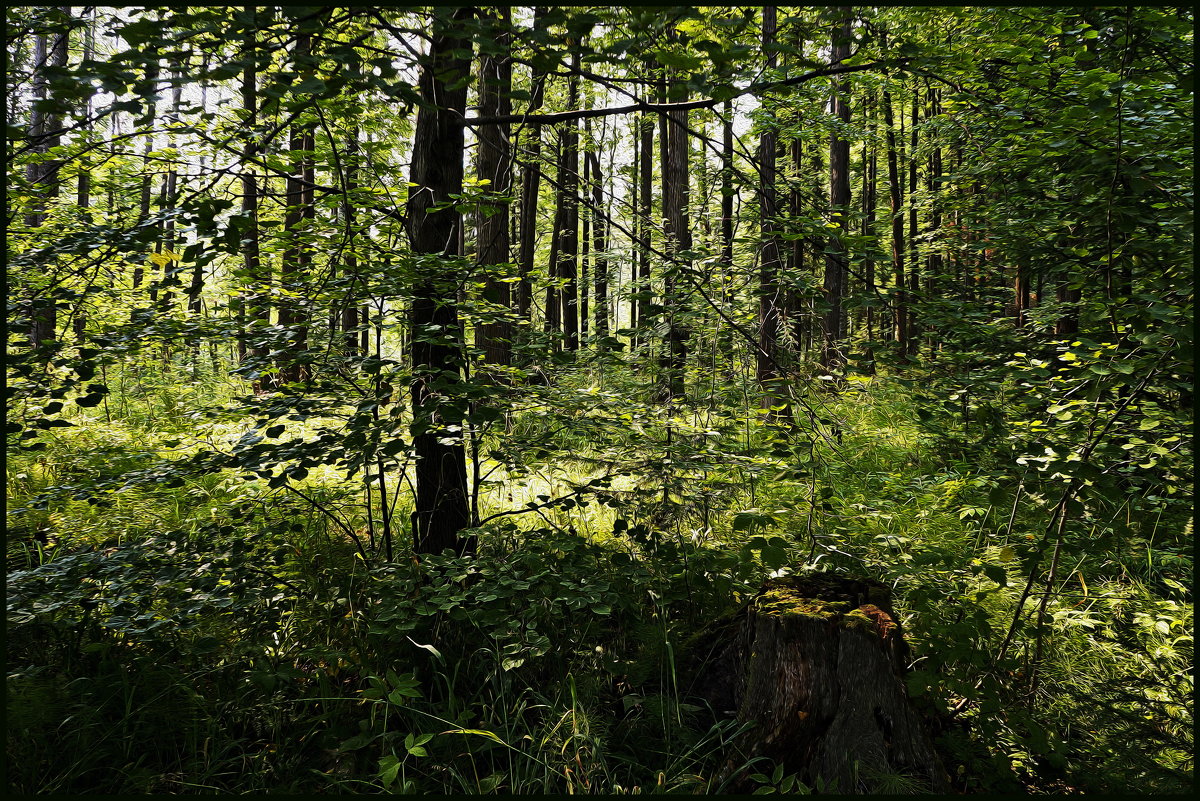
[{"x": 212, "y": 428}]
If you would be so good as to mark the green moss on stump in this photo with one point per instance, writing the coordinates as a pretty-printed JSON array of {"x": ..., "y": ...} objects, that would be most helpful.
[
  {"x": 786, "y": 602},
  {"x": 789, "y": 602}
]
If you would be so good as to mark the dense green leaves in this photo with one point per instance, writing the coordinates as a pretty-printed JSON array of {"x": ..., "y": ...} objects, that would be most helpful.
[{"x": 212, "y": 426}]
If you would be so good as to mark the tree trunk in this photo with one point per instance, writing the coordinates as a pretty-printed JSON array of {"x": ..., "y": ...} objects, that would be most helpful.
[
  {"x": 767, "y": 357},
  {"x": 833, "y": 323},
  {"x": 440, "y": 508},
  {"x": 679, "y": 239},
  {"x": 934, "y": 262},
  {"x": 600, "y": 265},
  {"x": 351, "y": 318},
  {"x": 293, "y": 270},
  {"x": 914, "y": 272},
  {"x": 727, "y": 193},
  {"x": 899, "y": 288},
  {"x": 170, "y": 193},
  {"x": 151, "y": 91},
  {"x": 585, "y": 234},
  {"x": 553, "y": 322},
  {"x": 635, "y": 227},
  {"x": 45, "y": 133},
  {"x": 254, "y": 307},
  {"x": 568, "y": 243},
  {"x": 816, "y": 663},
  {"x": 495, "y": 165},
  {"x": 196, "y": 285},
  {"x": 83, "y": 186},
  {"x": 871, "y": 184},
  {"x": 645, "y": 292},
  {"x": 531, "y": 174}
]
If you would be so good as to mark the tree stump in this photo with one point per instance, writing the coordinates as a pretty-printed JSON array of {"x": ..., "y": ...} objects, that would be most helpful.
[{"x": 817, "y": 663}]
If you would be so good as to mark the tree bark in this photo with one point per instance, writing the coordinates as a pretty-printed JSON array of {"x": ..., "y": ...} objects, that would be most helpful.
[
  {"x": 170, "y": 193},
  {"x": 817, "y": 662},
  {"x": 553, "y": 322},
  {"x": 870, "y": 198},
  {"x": 531, "y": 174},
  {"x": 934, "y": 261},
  {"x": 196, "y": 286},
  {"x": 495, "y": 165},
  {"x": 645, "y": 292},
  {"x": 899, "y": 287},
  {"x": 440, "y": 508},
  {"x": 351, "y": 316},
  {"x": 600, "y": 266},
  {"x": 914, "y": 272},
  {"x": 255, "y": 307},
  {"x": 833, "y": 322},
  {"x": 770, "y": 263},
  {"x": 294, "y": 265},
  {"x": 727, "y": 193},
  {"x": 585, "y": 235},
  {"x": 83, "y": 185},
  {"x": 150, "y": 77},
  {"x": 568, "y": 243},
  {"x": 45, "y": 133},
  {"x": 679, "y": 238}
]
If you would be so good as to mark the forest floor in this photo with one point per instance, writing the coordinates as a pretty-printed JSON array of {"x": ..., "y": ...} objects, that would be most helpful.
[{"x": 205, "y": 632}]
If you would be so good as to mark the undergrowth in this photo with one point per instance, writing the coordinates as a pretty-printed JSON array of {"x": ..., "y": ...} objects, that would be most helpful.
[{"x": 213, "y": 633}]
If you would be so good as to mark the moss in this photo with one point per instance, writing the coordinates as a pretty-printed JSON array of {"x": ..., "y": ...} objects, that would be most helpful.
[
  {"x": 786, "y": 602},
  {"x": 783, "y": 601},
  {"x": 858, "y": 619},
  {"x": 870, "y": 617}
]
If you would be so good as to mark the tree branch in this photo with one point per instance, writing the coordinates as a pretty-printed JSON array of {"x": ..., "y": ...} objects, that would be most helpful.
[{"x": 664, "y": 108}]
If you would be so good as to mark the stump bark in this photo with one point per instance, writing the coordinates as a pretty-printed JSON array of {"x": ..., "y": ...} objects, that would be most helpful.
[{"x": 817, "y": 663}]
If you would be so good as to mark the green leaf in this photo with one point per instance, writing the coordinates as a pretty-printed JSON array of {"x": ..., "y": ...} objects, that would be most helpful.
[
  {"x": 996, "y": 574},
  {"x": 487, "y": 735},
  {"x": 389, "y": 767}
]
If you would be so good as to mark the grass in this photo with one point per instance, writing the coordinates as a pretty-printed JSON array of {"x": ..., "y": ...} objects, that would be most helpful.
[{"x": 549, "y": 664}]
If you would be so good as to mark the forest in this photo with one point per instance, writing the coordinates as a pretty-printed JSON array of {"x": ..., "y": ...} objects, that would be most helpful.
[{"x": 599, "y": 400}]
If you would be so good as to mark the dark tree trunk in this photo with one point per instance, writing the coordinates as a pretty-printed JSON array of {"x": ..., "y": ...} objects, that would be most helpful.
[
  {"x": 553, "y": 322},
  {"x": 770, "y": 264},
  {"x": 350, "y": 314},
  {"x": 568, "y": 243},
  {"x": 638, "y": 222},
  {"x": 679, "y": 239},
  {"x": 645, "y": 292},
  {"x": 440, "y": 508},
  {"x": 495, "y": 165},
  {"x": 817, "y": 663},
  {"x": 585, "y": 236},
  {"x": 899, "y": 287},
  {"x": 934, "y": 262},
  {"x": 726, "y": 203},
  {"x": 293, "y": 271},
  {"x": 45, "y": 133},
  {"x": 150, "y": 91},
  {"x": 170, "y": 192},
  {"x": 600, "y": 266},
  {"x": 254, "y": 308},
  {"x": 83, "y": 186},
  {"x": 871, "y": 184},
  {"x": 196, "y": 285},
  {"x": 1068, "y": 323},
  {"x": 914, "y": 272},
  {"x": 531, "y": 175},
  {"x": 792, "y": 314},
  {"x": 833, "y": 323}
]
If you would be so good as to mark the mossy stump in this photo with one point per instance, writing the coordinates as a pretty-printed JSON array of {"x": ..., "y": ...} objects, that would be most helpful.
[{"x": 817, "y": 663}]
